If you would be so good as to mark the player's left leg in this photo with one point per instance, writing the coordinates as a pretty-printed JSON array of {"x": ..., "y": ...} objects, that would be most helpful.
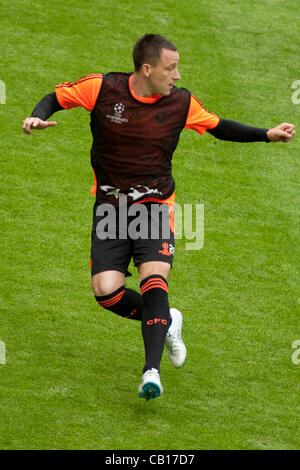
[
  {"x": 150, "y": 282},
  {"x": 154, "y": 256},
  {"x": 156, "y": 313},
  {"x": 155, "y": 323}
]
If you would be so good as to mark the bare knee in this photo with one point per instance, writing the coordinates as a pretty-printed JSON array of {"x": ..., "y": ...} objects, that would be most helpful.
[
  {"x": 106, "y": 282},
  {"x": 154, "y": 267}
]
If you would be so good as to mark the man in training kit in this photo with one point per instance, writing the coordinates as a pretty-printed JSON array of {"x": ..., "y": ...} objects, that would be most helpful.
[{"x": 136, "y": 121}]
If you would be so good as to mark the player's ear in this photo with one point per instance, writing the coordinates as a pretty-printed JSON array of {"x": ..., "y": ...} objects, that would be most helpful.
[{"x": 146, "y": 69}]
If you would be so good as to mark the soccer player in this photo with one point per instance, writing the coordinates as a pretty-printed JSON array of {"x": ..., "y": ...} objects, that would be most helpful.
[{"x": 136, "y": 121}]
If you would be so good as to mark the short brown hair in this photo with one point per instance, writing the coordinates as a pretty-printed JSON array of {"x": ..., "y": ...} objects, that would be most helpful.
[{"x": 148, "y": 48}]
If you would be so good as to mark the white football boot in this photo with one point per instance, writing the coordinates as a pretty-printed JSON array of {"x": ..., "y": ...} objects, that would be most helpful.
[
  {"x": 150, "y": 386},
  {"x": 175, "y": 346}
]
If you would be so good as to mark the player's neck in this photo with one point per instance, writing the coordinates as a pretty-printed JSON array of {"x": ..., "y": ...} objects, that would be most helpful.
[{"x": 140, "y": 86}]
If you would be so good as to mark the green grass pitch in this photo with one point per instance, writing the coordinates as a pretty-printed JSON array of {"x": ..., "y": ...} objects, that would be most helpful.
[{"x": 72, "y": 369}]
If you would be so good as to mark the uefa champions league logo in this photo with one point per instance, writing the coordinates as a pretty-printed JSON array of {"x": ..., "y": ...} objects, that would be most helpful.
[
  {"x": 117, "y": 118},
  {"x": 119, "y": 109}
]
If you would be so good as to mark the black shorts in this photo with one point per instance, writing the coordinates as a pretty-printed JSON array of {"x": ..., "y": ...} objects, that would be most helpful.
[{"x": 144, "y": 232}]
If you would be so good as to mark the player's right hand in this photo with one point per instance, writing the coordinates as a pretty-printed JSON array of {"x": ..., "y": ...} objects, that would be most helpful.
[{"x": 36, "y": 123}]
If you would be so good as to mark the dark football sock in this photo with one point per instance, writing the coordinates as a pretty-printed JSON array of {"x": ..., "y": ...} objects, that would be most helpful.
[
  {"x": 155, "y": 319},
  {"x": 124, "y": 302}
]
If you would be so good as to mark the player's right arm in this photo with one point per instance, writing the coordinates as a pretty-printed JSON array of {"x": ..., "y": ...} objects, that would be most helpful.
[
  {"x": 84, "y": 92},
  {"x": 42, "y": 111}
]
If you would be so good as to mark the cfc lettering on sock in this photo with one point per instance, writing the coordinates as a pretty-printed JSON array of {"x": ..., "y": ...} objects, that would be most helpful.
[{"x": 155, "y": 321}]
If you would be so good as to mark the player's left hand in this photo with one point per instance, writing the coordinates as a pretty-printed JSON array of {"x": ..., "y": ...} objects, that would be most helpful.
[{"x": 282, "y": 133}]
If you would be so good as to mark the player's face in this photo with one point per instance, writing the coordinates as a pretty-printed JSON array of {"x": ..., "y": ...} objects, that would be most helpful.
[{"x": 165, "y": 73}]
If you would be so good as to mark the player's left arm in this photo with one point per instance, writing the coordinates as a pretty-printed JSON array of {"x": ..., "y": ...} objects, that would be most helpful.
[
  {"x": 284, "y": 132},
  {"x": 238, "y": 132},
  {"x": 201, "y": 120}
]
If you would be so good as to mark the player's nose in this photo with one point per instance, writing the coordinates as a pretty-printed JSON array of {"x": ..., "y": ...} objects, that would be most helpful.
[{"x": 176, "y": 75}]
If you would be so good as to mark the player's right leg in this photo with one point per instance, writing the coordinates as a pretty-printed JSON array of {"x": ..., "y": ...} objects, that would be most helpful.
[
  {"x": 105, "y": 282},
  {"x": 110, "y": 257},
  {"x": 110, "y": 293}
]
